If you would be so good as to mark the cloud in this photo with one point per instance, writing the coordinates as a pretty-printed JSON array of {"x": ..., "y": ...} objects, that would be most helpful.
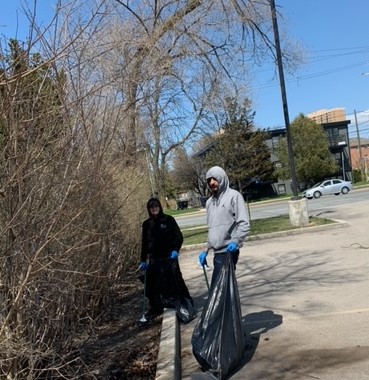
[{"x": 362, "y": 118}]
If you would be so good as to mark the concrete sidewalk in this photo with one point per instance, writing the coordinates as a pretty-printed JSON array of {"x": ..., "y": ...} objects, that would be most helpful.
[{"x": 304, "y": 300}]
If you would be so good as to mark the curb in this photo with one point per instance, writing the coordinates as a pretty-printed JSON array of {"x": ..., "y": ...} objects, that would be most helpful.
[{"x": 169, "y": 356}]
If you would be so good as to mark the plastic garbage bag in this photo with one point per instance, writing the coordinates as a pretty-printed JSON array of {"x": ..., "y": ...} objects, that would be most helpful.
[
  {"x": 166, "y": 285},
  {"x": 185, "y": 310},
  {"x": 218, "y": 340}
]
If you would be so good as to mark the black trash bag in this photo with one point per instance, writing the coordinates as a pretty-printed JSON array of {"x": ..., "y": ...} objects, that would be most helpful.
[
  {"x": 167, "y": 289},
  {"x": 185, "y": 310},
  {"x": 218, "y": 341}
]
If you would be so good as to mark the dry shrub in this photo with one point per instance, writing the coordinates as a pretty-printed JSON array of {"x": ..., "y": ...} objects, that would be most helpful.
[
  {"x": 70, "y": 223},
  {"x": 61, "y": 280}
]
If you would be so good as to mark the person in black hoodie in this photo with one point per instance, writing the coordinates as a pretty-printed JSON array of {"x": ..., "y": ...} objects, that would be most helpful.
[{"x": 161, "y": 242}]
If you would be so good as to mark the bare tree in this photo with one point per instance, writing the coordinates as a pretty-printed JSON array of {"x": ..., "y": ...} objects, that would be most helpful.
[
  {"x": 178, "y": 57},
  {"x": 189, "y": 173}
]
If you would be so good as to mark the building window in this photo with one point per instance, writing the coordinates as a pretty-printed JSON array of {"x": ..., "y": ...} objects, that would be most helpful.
[
  {"x": 338, "y": 158},
  {"x": 281, "y": 188}
]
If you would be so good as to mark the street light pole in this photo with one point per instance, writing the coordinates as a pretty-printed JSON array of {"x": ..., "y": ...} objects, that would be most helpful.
[
  {"x": 343, "y": 166},
  {"x": 291, "y": 160}
]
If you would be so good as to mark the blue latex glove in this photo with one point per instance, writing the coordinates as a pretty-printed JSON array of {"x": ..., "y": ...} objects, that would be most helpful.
[
  {"x": 202, "y": 258},
  {"x": 174, "y": 255},
  {"x": 143, "y": 266},
  {"x": 232, "y": 247}
]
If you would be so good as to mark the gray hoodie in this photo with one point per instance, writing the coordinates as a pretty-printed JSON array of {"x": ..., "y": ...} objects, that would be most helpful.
[{"x": 227, "y": 217}]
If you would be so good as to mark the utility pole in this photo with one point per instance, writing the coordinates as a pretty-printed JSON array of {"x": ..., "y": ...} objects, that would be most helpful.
[
  {"x": 359, "y": 146},
  {"x": 291, "y": 159}
]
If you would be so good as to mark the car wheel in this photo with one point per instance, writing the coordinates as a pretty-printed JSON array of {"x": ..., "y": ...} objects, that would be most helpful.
[
  {"x": 317, "y": 194},
  {"x": 345, "y": 190},
  {"x": 337, "y": 193}
]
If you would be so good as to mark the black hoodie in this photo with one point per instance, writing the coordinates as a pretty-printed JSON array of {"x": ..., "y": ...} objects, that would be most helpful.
[{"x": 160, "y": 235}]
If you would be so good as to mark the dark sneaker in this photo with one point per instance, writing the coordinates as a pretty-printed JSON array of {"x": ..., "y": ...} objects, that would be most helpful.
[{"x": 153, "y": 313}]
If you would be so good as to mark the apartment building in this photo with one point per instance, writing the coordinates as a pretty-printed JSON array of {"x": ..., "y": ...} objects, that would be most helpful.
[
  {"x": 338, "y": 139},
  {"x": 325, "y": 116}
]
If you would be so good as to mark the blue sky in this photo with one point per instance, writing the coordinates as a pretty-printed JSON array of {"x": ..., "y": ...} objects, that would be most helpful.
[
  {"x": 334, "y": 36},
  {"x": 12, "y": 21}
]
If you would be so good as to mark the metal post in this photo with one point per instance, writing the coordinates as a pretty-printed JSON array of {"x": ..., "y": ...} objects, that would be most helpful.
[{"x": 343, "y": 165}]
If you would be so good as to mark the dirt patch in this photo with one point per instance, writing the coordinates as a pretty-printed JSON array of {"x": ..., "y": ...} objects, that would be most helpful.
[{"x": 120, "y": 348}]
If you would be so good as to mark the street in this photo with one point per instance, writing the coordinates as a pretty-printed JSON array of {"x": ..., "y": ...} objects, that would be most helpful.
[{"x": 276, "y": 208}]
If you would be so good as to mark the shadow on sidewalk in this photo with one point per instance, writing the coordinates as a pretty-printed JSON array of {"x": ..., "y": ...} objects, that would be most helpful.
[{"x": 255, "y": 324}]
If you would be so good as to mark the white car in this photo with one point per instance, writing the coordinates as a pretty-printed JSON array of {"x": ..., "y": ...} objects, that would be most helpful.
[{"x": 327, "y": 187}]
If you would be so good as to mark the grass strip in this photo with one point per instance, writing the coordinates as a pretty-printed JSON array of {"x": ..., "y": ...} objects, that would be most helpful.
[{"x": 198, "y": 235}]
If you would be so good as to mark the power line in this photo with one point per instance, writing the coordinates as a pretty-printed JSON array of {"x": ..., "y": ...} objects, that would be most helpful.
[
  {"x": 323, "y": 57},
  {"x": 330, "y": 56},
  {"x": 310, "y": 76},
  {"x": 363, "y": 122},
  {"x": 361, "y": 130},
  {"x": 339, "y": 53}
]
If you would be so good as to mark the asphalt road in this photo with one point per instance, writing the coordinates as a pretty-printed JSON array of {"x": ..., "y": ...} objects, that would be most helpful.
[
  {"x": 276, "y": 208},
  {"x": 304, "y": 299}
]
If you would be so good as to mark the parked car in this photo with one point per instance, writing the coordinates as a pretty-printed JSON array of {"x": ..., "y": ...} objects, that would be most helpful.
[{"x": 327, "y": 187}]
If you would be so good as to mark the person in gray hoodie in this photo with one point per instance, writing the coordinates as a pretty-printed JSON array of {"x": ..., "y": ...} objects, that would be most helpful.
[{"x": 227, "y": 220}]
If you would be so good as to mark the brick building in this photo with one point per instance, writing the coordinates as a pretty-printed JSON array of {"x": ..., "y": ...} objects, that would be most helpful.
[{"x": 360, "y": 154}]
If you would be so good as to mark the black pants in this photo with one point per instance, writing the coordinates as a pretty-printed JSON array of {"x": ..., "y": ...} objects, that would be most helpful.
[{"x": 165, "y": 284}]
